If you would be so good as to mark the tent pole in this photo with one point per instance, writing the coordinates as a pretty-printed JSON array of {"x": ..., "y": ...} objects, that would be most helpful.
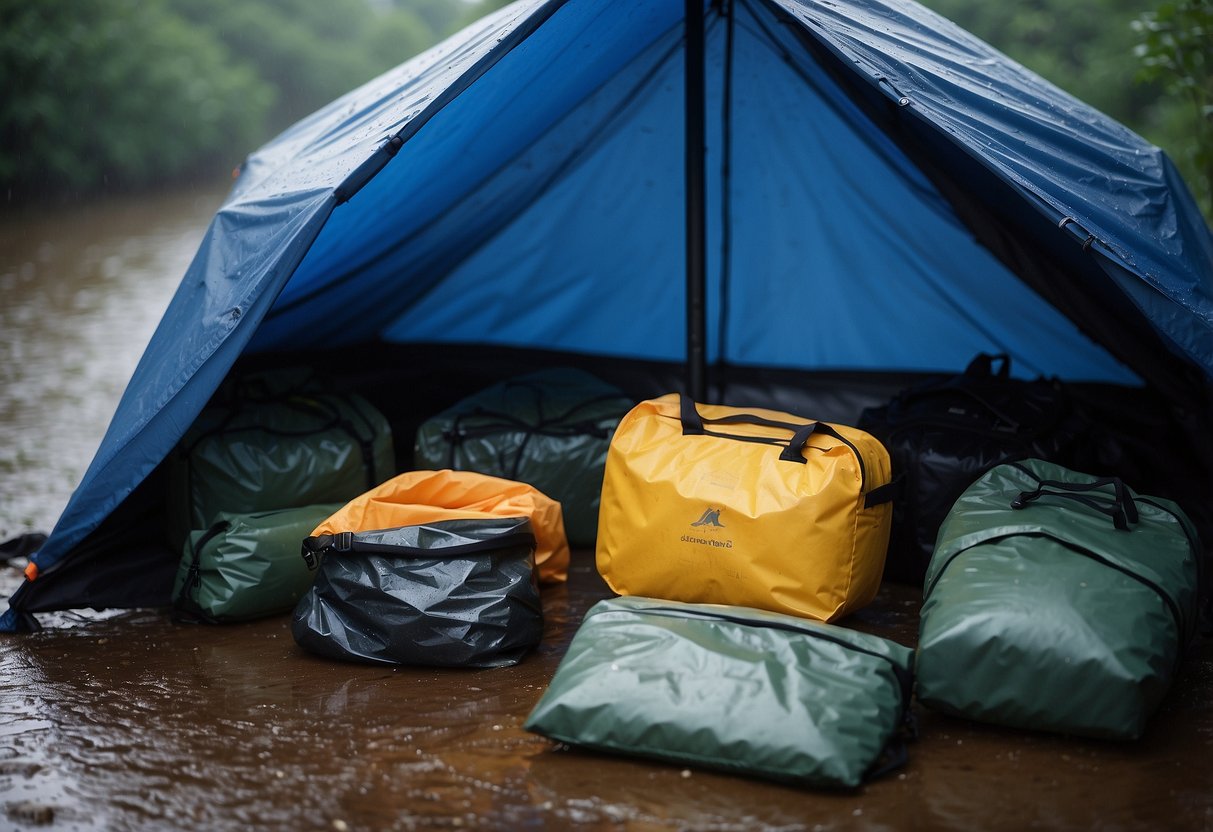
[{"x": 696, "y": 212}]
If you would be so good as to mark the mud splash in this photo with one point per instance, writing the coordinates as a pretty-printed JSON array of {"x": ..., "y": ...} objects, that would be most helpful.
[{"x": 129, "y": 721}]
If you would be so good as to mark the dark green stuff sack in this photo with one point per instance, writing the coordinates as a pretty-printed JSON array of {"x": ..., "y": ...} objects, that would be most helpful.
[
  {"x": 274, "y": 442},
  {"x": 549, "y": 429},
  {"x": 455, "y": 593},
  {"x": 1057, "y": 601},
  {"x": 730, "y": 688},
  {"x": 246, "y": 565}
]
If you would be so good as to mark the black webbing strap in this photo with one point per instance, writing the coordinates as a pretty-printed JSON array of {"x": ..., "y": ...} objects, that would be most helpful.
[
  {"x": 693, "y": 425},
  {"x": 186, "y": 604},
  {"x": 1119, "y": 505},
  {"x": 886, "y": 493}
]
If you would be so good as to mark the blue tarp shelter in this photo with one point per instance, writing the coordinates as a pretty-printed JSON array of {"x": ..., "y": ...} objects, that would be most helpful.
[{"x": 884, "y": 192}]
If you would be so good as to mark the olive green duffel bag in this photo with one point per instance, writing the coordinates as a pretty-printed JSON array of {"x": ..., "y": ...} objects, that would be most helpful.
[
  {"x": 550, "y": 429},
  {"x": 730, "y": 688},
  {"x": 275, "y": 440},
  {"x": 246, "y": 565},
  {"x": 1057, "y": 601}
]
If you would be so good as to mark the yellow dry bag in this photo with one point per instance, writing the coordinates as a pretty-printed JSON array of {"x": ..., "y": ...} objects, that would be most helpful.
[{"x": 758, "y": 508}]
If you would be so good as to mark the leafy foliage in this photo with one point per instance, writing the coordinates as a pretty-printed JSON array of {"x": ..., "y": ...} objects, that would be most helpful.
[
  {"x": 1088, "y": 48},
  {"x": 105, "y": 93},
  {"x": 1176, "y": 50},
  {"x": 129, "y": 93},
  {"x": 115, "y": 90}
]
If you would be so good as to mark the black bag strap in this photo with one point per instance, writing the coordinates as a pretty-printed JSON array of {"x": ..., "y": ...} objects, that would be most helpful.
[
  {"x": 186, "y": 606},
  {"x": 314, "y": 405},
  {"x": 693, "y": 425},
  {"x": 983, "y": 365},
  {"x": 887, "y": 493},
  {"x": 1119, "y": 505},
  {"x": 693, "y": 421}
]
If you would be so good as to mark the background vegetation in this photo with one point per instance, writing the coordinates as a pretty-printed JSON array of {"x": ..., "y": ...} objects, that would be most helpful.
[{"x": 104, "y": 94}]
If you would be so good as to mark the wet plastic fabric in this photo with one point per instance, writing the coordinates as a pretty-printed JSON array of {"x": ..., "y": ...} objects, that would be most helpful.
[
  {"x": 246, "y": 566},
  {"x": 566, "y": 229},
  {"x": 1050, "y": 617},
  {"x": 758, "y": 508},
  {"x": 422, "y": 497},
  {"x": 550, "y": 429},
  {"x": 276, "y": 449},
  {"x": 944, "y": 434},
  {"x": 456, "y": 593},
  {"x": 741, "y": 690}
]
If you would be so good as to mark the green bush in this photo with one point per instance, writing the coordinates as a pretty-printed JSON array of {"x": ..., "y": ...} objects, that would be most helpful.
[
  {"x": 130, "y": 93},
  {"x": 1176, "y": 50},
  {"x": 116, "y": 91}
]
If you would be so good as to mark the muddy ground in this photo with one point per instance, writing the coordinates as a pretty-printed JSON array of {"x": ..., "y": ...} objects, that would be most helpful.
[{"x": 126, "y": 720}]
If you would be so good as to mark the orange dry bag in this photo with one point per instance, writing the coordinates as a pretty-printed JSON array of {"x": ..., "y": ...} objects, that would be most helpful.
[{"x": 419, "y": 497}]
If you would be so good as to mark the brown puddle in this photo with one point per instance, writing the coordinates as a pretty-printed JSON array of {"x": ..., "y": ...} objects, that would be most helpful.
[{"x": 129, "y": 721}]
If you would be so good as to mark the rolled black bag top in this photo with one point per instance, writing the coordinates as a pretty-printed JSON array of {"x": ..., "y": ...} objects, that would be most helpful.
[
  {"x": 550, "y": 429},
  {"x": 1057, "y": 601},
  {"x": 454, "y": 593},
  {"x": 943, "y": 434},
  {"x": 730, "y": 688}
]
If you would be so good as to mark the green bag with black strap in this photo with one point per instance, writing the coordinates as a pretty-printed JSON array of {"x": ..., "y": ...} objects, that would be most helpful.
[
  {"x": 1057, "y": 601},
  {"x": 550, "y": 429},
  {"x": 246, "y": 566},
  {"x": 730, "y": 688},
  {"x": 275, "y": 440}
]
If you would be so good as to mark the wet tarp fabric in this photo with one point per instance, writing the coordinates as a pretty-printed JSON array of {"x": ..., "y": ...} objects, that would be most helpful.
[
  {"x": 747, "y": 506},
  {"x": 455, "y": 593},
  {"x": 944, "y": 434},
  {"x": 420, "y": 497},
  {"x": 246, "y": 566},
  {"x": 742, "y": 690},
  {"x": 386, "y": 216},
  {"x": 276, "y": 442},
  {"x": 550, "y": 429},
  {"x": 1067, "y": 614}
]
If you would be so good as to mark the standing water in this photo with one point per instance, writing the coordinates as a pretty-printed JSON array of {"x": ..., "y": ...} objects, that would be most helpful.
[
  {"x": 127, "y": 720},
  {"x": 83, "y": 289}
]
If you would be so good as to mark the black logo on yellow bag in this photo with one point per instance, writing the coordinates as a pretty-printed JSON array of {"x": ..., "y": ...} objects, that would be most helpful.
[{"x": 707, "y": 524}]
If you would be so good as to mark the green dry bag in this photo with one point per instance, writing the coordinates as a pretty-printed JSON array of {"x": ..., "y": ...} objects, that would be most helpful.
[
  {"x": 549, "y": 429},
  {"x": 1057, "y": 601},
  {"x": 271, "y": 441},
  {"x": 246, "y": 565},
  {"x": 731, "y": 688}
]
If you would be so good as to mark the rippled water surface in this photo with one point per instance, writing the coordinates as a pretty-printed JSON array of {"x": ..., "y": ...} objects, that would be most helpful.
[
  {"x": 83, "y": 288},
  {"x": 129, "y": 721},
  {"x": 126, "y": 720}
]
